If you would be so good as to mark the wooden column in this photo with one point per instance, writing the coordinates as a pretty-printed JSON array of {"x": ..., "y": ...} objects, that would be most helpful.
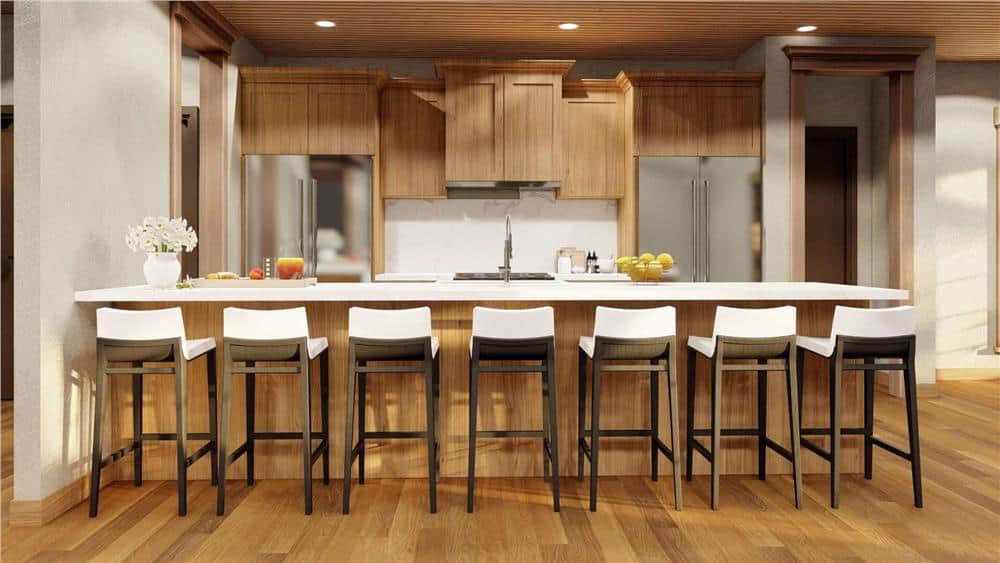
[
  {"x": 996, "y": 243},
  {"x": 797, "y": 176},
  {"x": 901, "y": 181},
  {"x": 213, "y": 170},
  {"x": 175, "y": 115}
]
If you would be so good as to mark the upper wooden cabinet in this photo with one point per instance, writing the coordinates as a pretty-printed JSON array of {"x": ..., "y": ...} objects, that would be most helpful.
[
  {"x": 275, "y": 118},
  {"x": 412, "y": 150},
  {"x": 309, "y": 111},
  {"x": 593, "y": 140},
  {"x": 695, "y": 114},
  {"x": 502, "y": 119}
]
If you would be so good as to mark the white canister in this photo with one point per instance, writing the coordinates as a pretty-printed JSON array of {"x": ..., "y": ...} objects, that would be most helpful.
[{"x": 564, "y": 265}]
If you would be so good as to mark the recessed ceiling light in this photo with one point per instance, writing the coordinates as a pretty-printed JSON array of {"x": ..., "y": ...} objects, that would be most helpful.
[
  {"x": 325, "y": 23},
  {"x": 805, "y": 28},
  {"x": 568, "y": 26}
]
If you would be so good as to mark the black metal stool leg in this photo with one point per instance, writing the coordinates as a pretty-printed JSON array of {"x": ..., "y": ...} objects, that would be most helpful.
[
  {"x": 352, "y": 375},
  {"x": 362, "y": 424},
  {"x": 545, "y": 427},
  {"x": 581, "y": 410},
  {"x": 869, "y": 415},
  {"x": 762, "y": 422},
  {"x": 910, "y": 385},
  {"x": 251, "y": 418},
  {"x": 137, "y": 425},
  {"x": 595, "y": 433},
  {"x": 213, "y": 418},
  {"x": 800, "y": 374},
  {"x": 306, "y": 429},
  {"x": 324, "y": 393},
  {"x": 836, "y": 369},
  {"x": 716, "y": 430},
  {"x": 689, "y": 407},
  {"x": 180, "y": 386},
  {"x": 473, "y": 408},
  {"x": 95, "y": 456},
  {"x": 550, "y": 374},
  {"x": 431, "y": 423},
  {"x": 654, "y": 422}
]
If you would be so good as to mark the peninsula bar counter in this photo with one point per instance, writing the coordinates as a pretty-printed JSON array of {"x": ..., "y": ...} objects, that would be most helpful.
[{"x": 507, "y": 401}]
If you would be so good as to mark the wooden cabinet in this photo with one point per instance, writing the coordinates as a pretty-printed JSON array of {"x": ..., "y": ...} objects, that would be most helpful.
[
  {"x": 531, "y": 107},
  {"x": 474, "y": 126},
  {"x": 275, "y": 118},
  {"x": 593, "y": 140},
  {"x": 696, "y": 114},
  {"x": 502, "y": 119},
  {"x": 309, "y": 111},
  {"x": 412, "y": 139},
  {"x": 343, "y": 118}
]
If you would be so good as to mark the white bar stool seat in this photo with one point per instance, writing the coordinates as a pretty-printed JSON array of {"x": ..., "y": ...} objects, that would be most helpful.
[
  {"x": 136, "y": 337},
  {"x": 376, "y": 335},
  {"x": 759, "y": 335},
  {"x": 639, "y": 335},
  {"x": 867, "y": 335},
  {"x": 515, "y": 334},
  {"x": 275, "y": 335}
]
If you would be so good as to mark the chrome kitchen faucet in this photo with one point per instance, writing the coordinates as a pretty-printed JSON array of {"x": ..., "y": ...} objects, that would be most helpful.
[{"x": 508, "y": 253}]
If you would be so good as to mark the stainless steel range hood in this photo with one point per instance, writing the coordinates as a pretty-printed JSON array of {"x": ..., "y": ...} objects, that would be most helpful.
[{"x": 496, "y": 189}]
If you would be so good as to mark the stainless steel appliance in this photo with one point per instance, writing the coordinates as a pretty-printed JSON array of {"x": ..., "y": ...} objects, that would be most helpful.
[
  {"x": 706, "y": 212},
  {"x": 316, "y": 207},
  {"x": 497, "y": 276}
]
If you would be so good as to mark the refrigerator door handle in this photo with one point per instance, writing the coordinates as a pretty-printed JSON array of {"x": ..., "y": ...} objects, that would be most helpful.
[
  {"x": 708, "y": 230},
  {"x": 694, "y": 237},
  {"x": 313, "y": 226}
]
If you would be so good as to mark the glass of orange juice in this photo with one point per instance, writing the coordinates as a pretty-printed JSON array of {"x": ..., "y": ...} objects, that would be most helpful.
[{"x": 291, "y": 268}]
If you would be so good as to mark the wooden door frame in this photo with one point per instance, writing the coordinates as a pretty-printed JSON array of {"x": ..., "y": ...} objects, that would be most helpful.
[
  {"x": 851, "y": 197},
  {"x": 996, "y": 242},
  {"x": 202, "y": 28},
  {"x": 7, "y": 346},
  {"x": 899, "y": 65}
]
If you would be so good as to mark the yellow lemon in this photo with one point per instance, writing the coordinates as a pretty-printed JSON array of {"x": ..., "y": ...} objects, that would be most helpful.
[
  {"x": 665, "y": 260},
  {"x": 654, "y": 271},
  {"x": 637, "y": 273},
  {"x": 647, "y": 257}
]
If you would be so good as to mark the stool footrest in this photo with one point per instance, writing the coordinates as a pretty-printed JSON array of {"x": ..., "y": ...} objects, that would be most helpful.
[
  {"x": 208, "y": 447},
  {"x": 778, "y": 448},
  {"x": 237, "y": 453},
  {"x": 168, "y": 436},
  {"x": 388, "y": 435},
  {"x": 512, "y": 369},
  {"x": 510, "y": 434},
  {"x": 664, "y": 449},
  {"x": 285, "y": 436},
  {"x": 584, "y": 447},
  {"x": 826, "y": 431},
  {"x": 390, "y": 369},
  {"x": 753, "y": 367},
  {"x": 119, "y": 453},
  {"x": 892, "y": 449},
  {"x": 634, "y": 368},
  {"x": 696, "y": 445},
  {"x": 322, "y": 447},
  {"x": 873, "y": 367},
  {"x": 727, "y": 432},
  {"x": 623, "y": 433},
  {"x": 814, "y": 448}
]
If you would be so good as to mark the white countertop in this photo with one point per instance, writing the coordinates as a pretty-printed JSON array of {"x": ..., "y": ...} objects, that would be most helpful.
[{"x": 558, "y": 290}]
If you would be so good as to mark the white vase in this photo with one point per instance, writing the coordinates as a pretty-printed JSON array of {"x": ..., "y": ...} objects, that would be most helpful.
[{"x": 162, "y": 269}]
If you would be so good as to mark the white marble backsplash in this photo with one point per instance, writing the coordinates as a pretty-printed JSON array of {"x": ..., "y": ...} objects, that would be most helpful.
[{"x": 466, "y": 235}]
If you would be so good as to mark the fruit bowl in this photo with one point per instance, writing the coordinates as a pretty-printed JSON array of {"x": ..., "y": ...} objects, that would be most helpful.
[{"x": 647, "y": 268}]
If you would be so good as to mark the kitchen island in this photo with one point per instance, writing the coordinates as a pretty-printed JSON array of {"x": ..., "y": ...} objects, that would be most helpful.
[{"x": 507, "y": 401}]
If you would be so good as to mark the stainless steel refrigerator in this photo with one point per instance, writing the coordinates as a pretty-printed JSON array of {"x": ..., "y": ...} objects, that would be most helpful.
[
  {"x": 706, "y": 212},
  {"x": 316, "y": 207}
]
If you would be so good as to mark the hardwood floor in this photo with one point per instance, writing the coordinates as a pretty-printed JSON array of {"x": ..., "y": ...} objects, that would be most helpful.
[{"x": 960, "y": 431}]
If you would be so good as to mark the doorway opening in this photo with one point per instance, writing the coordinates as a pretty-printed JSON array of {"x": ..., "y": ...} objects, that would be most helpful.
[
  {"x": 7, "y": 252},
  {"x": 831, "y": 204}
]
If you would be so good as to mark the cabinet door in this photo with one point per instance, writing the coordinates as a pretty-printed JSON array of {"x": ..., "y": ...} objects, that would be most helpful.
[
  {"x": 412, "y": 140},
  {"x": 732, "y": 121},
  {"x": 474, "y": 126},
  {"x": 669, "y": 121},
  {"x": 531, "y": 116},
  {"x": 593, "y": 146},
  {"x": 274, "y": 118},
  {"x": 342, "y": 119}
]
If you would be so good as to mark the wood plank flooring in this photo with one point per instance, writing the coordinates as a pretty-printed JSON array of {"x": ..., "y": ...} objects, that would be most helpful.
[{"x": 960, "y": 429}]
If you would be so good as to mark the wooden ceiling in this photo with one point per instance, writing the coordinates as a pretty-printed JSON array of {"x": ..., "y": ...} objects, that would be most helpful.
[{"x": 965, "y": 30}]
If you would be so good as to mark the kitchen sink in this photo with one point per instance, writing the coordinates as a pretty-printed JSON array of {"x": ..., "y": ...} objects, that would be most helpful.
[{"x": 495, "y": 276}]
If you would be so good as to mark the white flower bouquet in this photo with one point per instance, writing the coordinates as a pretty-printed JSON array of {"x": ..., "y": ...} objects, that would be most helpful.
[{"x": 161, "y": 234}]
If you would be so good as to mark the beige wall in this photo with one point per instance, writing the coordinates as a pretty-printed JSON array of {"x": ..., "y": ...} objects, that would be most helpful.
[
  {"x": 966, "y": 200},
  {"x": 92, "y": 149}
]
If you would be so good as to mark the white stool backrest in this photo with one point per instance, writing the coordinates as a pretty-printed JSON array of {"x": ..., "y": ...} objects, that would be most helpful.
[
  {"x": 265, "y": 324},
  {"x": 156, "y": 324},
  {"x": 389, "y": 324},
  {"x": 754, "y": 323},
  {"x": 658, "y": 322},
  {"x": 874, "y": 323},
  {"x": 513, "y": 323}
]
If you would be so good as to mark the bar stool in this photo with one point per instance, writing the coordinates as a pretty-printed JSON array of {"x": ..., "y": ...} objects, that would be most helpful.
[
  {"x": 520, "y": 335},
  {"x": 280, "y": 336},
  {"x": 746, "y": 334},
  {"x": 868, "y": 335},
  {"x": 136, "y": 337},
  {"x": 635, "y": 335},
  {"x": 390, "y": 335}
]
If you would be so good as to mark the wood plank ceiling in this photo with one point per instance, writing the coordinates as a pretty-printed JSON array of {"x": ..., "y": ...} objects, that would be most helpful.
[{"x": 968, "y": 30}]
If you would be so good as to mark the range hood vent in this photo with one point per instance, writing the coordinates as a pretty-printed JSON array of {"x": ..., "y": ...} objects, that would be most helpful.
[{"x": 496, "y": 189}]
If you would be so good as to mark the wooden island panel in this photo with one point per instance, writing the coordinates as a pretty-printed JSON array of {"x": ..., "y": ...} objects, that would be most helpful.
[{"x": 396, "y": 402}]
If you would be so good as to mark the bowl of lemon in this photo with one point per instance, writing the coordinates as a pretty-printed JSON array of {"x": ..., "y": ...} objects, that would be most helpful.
[{"x": 646, "y": 267}]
